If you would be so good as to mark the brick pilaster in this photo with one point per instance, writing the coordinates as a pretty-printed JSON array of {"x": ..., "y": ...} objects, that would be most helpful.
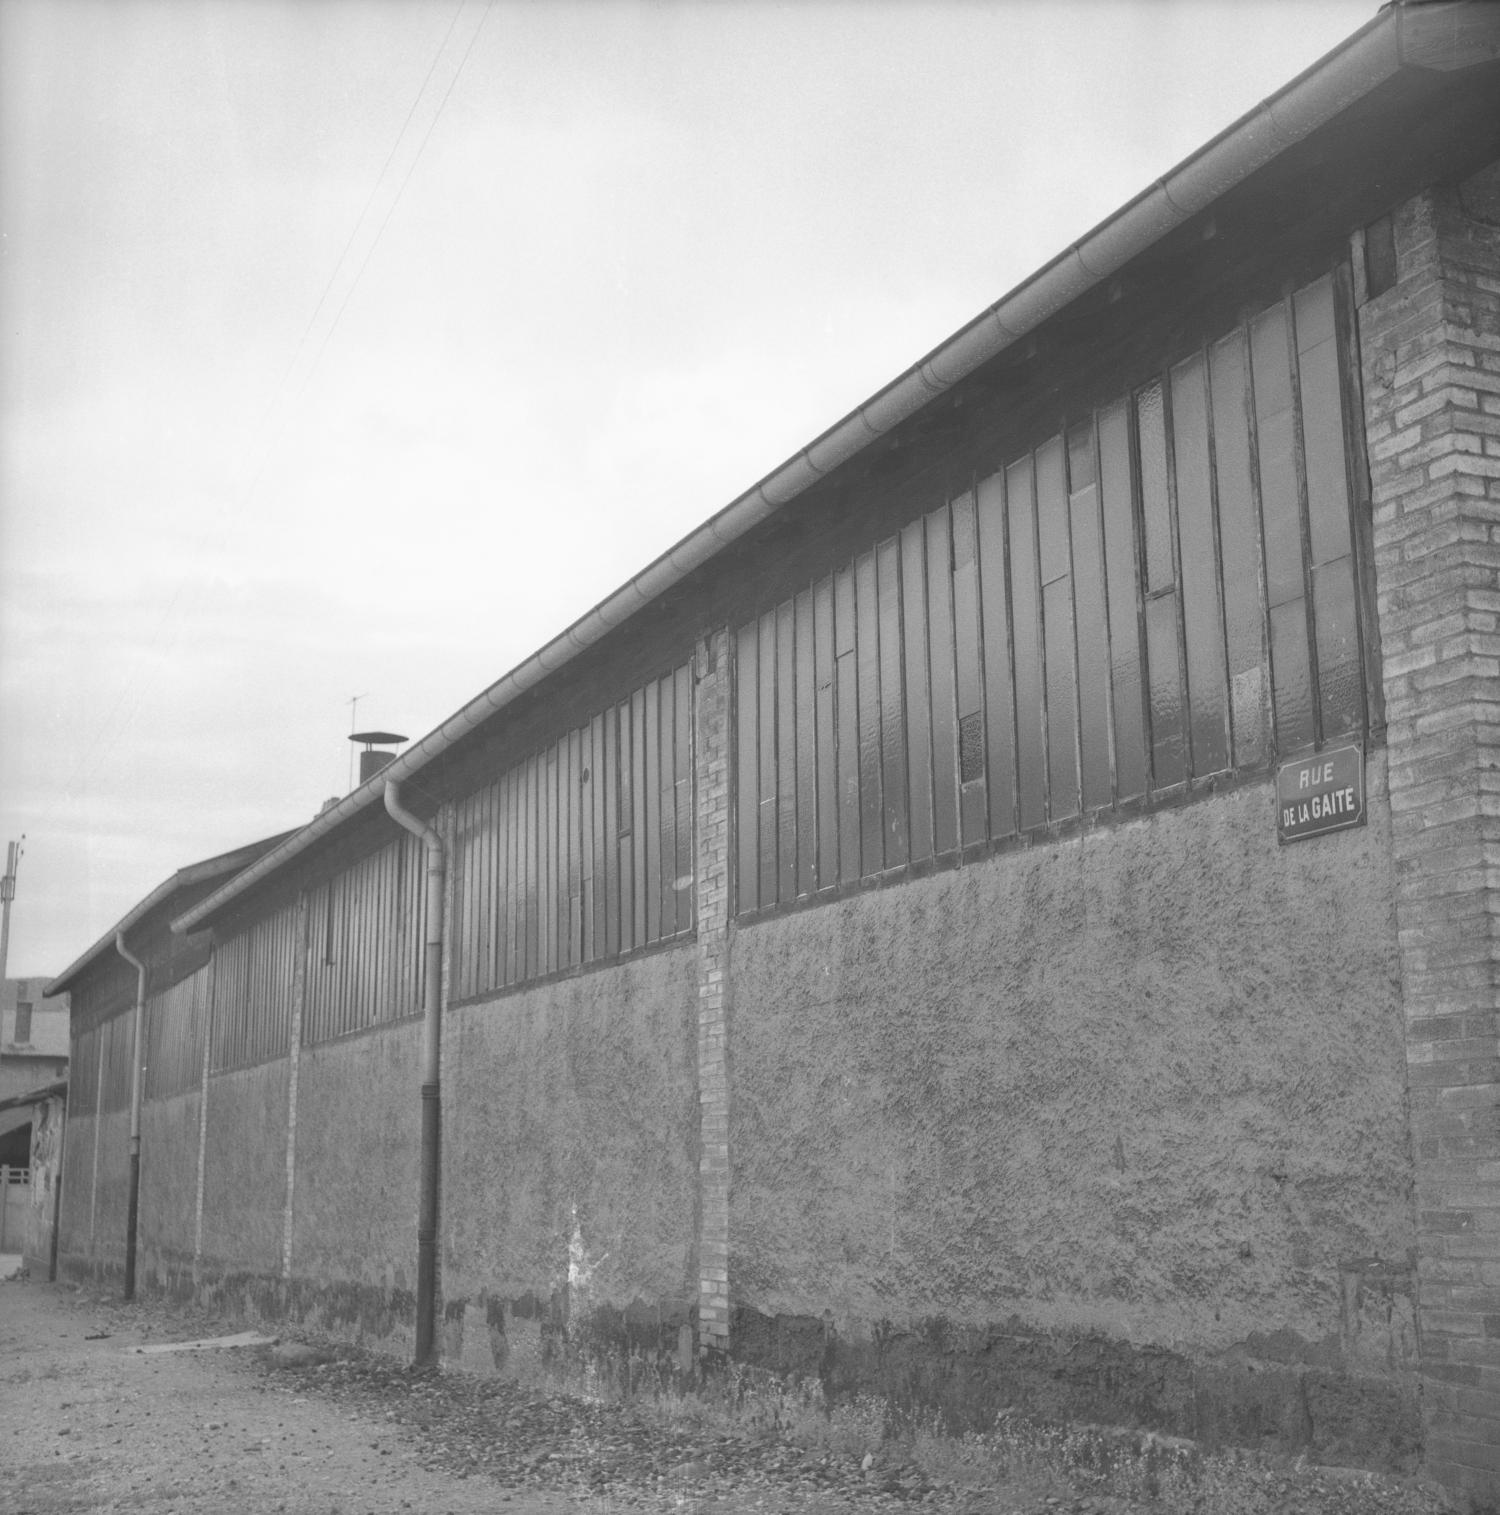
[
  {"x": 711, "y": 874},
  {"x": 1430, "y": 353}
]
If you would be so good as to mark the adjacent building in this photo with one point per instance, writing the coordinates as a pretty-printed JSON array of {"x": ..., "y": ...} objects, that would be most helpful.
[
  {"x": 33, "y": 1053},
  {"x": 1004, "y": 914}
]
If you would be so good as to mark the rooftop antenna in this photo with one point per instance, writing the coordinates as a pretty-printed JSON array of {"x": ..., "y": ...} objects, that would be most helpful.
[
  {"x": 13, "y": 851},
  {"x": 353, "y": 720}
]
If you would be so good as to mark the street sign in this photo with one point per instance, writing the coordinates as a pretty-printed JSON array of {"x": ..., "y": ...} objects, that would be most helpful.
[{"x": 1321, "y": 793}]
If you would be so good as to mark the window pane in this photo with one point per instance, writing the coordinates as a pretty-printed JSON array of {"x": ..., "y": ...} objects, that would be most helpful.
[
  {"x": 1276, "y": 437},
  {"x": 944, "y": 693},
  {"x": 807, "y": 752},
  {"x": 1030, "y": 752},
  {"x": 846, "y": 735},
  {"x": 867, "y": 632},
  {"x": 970, "y": 690},
  {"x": 1239, "y": 544},
  {"x": 918, "y": 703},
  {"x": 1322, "y": 422},
  {"x": 1156, "y": 513},
  {"x": 768, "y": 776},
  {"x": 786, "y": 756},
  {"x": 1093, "y": 640},
  {"x": 828, "y": 788},
  {"x": 1168, "y": 748},
  {"x": 1290, "y": 678},
  {"x": 1203, "y": 629},
  {"x": 1057, "y": 642},
  {"x": 892, "y": 715},
  {"x": 1340, "y": 675},
  {"x": 999, "y": 712},
  {"x": 1117, "y": 501}
]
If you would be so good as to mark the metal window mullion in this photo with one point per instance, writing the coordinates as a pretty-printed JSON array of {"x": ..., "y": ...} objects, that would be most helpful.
[
  {"x": 1179, "y": 597},
  {"x": 1143, "y": 585}
]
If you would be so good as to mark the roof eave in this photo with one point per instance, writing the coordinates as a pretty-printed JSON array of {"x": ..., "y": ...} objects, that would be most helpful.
[{"x": 184, "y": 878}]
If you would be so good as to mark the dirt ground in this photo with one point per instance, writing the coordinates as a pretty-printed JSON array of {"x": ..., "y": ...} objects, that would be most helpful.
[
  {"x": 103, "y": 1408},
  {"x": 95, "y": 1416},
  {"x": 90, "y": 1422}
]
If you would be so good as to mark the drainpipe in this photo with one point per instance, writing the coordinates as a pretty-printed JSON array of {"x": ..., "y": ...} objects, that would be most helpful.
[
  {"x": 432, "y": 1025},
  {"x": 133, "y": 1210}
]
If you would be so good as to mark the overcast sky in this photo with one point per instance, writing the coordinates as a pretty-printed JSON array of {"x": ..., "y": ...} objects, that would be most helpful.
[{"x": 357, "y": 347}]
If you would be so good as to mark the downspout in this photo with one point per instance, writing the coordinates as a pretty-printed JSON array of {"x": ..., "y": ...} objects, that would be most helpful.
[
  {"x": 432, "y": 1025},
  {"x": 132, "y": 1213}
]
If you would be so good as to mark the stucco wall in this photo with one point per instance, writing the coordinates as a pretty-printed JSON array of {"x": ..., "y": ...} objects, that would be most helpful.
[
  {"x": 105, "y": 1223},
  {"x": 244, "y": 1173},
  {"x": 1146, "y": 1083},
  {"x": 354, "y": 1204},
  {"x": 570, "y": 1156},
  {"x": 169, "y": 1187},
  {"x": 78, "y": 1185}
]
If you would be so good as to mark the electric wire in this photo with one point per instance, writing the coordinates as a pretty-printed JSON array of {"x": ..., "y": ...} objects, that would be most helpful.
[
  {"x": 343, "y": 256},
  {"x": 401, "y": 189}
]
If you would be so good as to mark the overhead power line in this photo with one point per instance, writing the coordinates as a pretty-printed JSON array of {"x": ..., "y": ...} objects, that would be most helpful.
[
  {"x": 369, "y": 251},
  {"x": 343, "y": 256}
]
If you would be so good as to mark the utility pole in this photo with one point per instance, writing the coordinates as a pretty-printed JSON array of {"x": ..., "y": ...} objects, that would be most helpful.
[{"x": 7, "y": 894}]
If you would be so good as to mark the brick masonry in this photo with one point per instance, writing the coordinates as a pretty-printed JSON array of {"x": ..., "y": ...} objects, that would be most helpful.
[
  {"x": 1430, "y": 355},
  {"x": 711, "y": 840}
]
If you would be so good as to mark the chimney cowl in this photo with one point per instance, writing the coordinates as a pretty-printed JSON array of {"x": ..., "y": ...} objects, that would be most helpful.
[{"x": 372, "y": 759}]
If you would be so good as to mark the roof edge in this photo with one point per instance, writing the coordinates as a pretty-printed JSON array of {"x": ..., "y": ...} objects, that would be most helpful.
[
  {"x": 193, "y": 873},
  {"x": 1363, "y": 61},
  {"x": 35, "y": 1096}
]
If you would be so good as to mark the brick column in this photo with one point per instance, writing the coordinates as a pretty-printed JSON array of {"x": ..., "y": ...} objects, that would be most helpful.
[
  {"x": 711, "y": 708},
  {"x": 1430, "y": 353}
]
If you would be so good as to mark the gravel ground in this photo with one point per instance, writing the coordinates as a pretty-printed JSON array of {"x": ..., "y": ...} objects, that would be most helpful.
[{"x": 93, "y": 1418}]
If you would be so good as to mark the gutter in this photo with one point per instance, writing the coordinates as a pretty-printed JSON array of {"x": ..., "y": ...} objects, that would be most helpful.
[{"x": 1431, "y": 35}]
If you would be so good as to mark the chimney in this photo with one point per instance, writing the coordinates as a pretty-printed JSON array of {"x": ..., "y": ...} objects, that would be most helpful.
[{"x": 372, "y": 759}]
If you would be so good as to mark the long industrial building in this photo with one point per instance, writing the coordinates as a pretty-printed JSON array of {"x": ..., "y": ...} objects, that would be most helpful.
[{"x": 1006, "y": 913}]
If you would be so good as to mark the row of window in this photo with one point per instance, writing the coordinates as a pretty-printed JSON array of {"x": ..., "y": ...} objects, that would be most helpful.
[
  {"x": 582, "y": 852},
  {"x": 1162, "y": 592}
]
